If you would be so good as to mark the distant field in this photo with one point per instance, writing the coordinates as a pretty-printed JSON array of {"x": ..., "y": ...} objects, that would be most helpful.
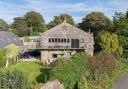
[{"x": 31, "y": 69}]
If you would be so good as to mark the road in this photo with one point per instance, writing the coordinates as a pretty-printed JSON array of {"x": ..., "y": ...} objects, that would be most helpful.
[{"x": 122, "y": 83}]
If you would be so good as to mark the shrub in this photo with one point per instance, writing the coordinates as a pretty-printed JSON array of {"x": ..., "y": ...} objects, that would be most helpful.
[
  {"x": 109, "y": 42},
  {"x": 13, "y": 80},
  {"x": 3, "y": 58},
  {"x": 14, "y": 51},
  {"x": 69, "y": 71},
  {"x": 101, "y": 63},
  {"x": 104, "y": 62}
]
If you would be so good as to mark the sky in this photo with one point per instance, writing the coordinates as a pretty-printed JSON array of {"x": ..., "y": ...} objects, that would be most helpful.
[{"x": 50, "y": 8}]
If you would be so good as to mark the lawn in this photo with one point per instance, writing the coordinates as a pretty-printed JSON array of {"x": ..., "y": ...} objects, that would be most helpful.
[{"x": 33, "y": 70}]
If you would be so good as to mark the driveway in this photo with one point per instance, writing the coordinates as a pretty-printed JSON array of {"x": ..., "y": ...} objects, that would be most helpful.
[{"x": 122, "y": 83}]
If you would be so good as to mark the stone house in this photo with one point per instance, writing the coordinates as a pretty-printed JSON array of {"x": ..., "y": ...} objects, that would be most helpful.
[{"x": 64, "y": 40}]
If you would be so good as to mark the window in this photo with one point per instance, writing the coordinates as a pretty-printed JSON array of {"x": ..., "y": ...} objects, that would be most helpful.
[
  {"x": 64, "y": 40},
  {"x": 68, "y": 40},
  {"x": 52, "y": 39},
  {"x": 58, "y": 40},
  {"x": 55, "y": 40},
  {"x": 49, "y": 40},
  {"x": 61, "y": 40},
  {"x": 54, "y": 55},
  {"x": 1, "y": 39}
]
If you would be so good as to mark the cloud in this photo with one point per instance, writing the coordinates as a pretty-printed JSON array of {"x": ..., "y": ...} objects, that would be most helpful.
[{"x": 51, "y": 8}]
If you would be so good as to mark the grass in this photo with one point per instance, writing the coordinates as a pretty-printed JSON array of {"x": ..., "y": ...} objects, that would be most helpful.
[{"x": 31, "y": 69}]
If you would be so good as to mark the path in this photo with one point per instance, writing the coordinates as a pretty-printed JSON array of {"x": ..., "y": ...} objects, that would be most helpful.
[{"x": 122, "y": 83}]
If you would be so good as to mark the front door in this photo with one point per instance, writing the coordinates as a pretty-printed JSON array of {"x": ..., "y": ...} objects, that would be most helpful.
[{"x": 74, "y": 43}]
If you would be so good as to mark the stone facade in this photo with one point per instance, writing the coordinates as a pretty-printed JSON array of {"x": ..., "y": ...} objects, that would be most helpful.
[
  {"x": 65, "y": 40},
  {"x": 53, "y": 85}
]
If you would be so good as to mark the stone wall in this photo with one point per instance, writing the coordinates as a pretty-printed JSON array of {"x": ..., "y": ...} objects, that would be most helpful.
[
  {"x": 53, "y": 85},
  {"x": 47, "y": 55}
]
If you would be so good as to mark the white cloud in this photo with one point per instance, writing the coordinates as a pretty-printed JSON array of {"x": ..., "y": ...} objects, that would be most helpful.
[{"x": 49, "y": 9}]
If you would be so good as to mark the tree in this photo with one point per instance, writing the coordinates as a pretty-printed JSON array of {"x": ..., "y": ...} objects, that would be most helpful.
[
  {"x": 20, "y": 27},
  {"x": 95, "y": 21},
  {"x": 73, "y": 69},
  {"x": 3, "y": 24},
  {"x": 59, "y": 19},
  {"x": 110, "y": 43},
  {"x": 120, "y": 21},
  {"x": 35, "y": 21}
]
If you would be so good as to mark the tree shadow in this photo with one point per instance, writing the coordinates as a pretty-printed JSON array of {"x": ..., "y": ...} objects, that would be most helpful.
[{"x": 44, "y": 76}]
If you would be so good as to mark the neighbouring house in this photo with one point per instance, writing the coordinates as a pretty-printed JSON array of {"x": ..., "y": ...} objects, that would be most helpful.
[{"x": 7, "y": 38}]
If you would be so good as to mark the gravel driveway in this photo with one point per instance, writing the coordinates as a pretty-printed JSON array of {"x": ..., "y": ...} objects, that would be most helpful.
[{"x": 122, "y": 83}]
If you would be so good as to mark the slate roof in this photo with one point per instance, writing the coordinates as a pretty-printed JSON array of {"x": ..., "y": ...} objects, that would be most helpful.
[{"x": 7, "y": 38}]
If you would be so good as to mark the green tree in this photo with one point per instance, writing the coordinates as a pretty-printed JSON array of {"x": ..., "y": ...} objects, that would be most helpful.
[
  {"x": 3, "y": 24},
  {"x": 74, "y": 69},
  {"x": 120, "y": 21},
  {"x": 20, "y": 27},
  {"x": 95, "y": 21},
  {"x": 109, "y": 42},
  {"x": 59, "y": 19},
  {"x": 35, "y": 21}
]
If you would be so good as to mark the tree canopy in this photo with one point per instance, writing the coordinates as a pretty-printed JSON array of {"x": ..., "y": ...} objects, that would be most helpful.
[
  {"x": 110, "y": 43},
  {"x": 95, "y": 21},
  {"x": 36, "y": 21},
  {"x": 20, "y": 27},
  {"x": 32, "y": 23},
  {"x": 120, "y": 21},
  {"x": 59, "y": 19},
  {"x": 3, "y": 24}
]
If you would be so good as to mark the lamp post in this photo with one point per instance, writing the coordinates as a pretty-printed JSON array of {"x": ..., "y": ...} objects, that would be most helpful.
[{"x": 7, "y": 57}]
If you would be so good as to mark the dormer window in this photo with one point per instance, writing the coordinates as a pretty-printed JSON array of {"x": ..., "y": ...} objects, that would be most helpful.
[{"x": 1, "y": 38}]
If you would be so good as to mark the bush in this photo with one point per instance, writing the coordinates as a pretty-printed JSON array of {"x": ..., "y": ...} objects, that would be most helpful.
[
  {"x": 3, "y": 58},
  {"x": 69, "y": 71},
  {"x": 101, "y": 63},
  {"x": 13, "y": 80},
  {"x": 14, "y": 51}
]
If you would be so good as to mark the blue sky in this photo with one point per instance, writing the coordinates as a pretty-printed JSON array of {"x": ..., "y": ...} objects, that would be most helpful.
[{"x": 49, "y": 8}]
